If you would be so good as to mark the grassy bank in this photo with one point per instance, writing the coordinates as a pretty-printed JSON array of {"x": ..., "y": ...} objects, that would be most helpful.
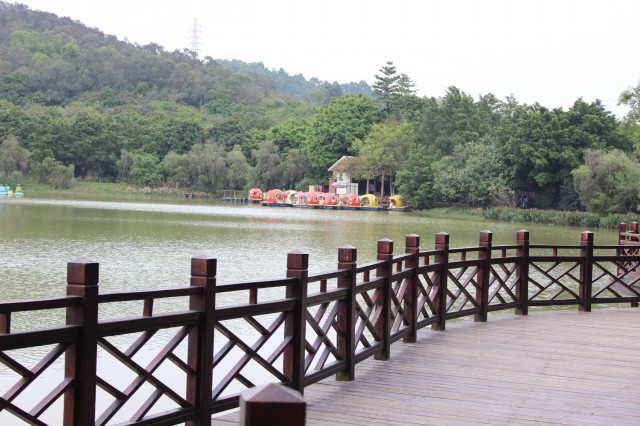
[
  {"x": 550, "y": 217},
  {"x": 84, "y": 188}
]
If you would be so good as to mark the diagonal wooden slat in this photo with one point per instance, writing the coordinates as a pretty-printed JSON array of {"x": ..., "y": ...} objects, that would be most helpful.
[{"x": 51, "y": 397}]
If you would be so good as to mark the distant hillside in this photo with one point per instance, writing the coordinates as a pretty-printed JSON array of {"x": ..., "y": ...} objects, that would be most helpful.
[
  {"x": 52, "y": 61},
  {"x": 297, "y": 85}
]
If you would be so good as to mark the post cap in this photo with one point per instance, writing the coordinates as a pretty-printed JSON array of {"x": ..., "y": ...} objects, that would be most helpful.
[
  {"x": 272, "y": 404},
  {"x": 347, "y": 254},
  {"x": 412, "y": 240},
  {"x": 204, "y": 265},
  {"x": 83, "y": 271},
  {"x": 385, "y": 246},
  {"x": 298, "y": 260}
]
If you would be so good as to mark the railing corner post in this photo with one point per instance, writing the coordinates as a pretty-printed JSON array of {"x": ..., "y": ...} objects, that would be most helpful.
[
  {"x": 440, "y": 281},
  {"x": 347, "y": 258},
  {"x": 200, "y": 348},
  {"x": 522, "y": 273},
  {"x": 412, "y": 246},
  {"x": 383, "y": 327},
  {"x": 586, "y": 271},
  {"x": 81, "y": 359},
  {"x": 295, "y": 327}
]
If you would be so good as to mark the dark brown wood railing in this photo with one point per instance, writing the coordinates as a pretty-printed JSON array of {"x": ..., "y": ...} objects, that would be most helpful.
[{"x": 295, "y": 331}]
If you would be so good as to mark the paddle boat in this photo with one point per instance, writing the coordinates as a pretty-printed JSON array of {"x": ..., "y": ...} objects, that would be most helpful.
[
  {"x": 255, "y": 195},
  {"x": 275, "y": 198},
  {"x": 3, "y": 191},
  {"x": 291, "y": 198},
  {"x": 397, "y": 204},
  {"x": 351, "y": 202},
  {"x": 331, "y": 201},
  {"x": 308, "y": 200},
  {"x": 369, "y": 202}
]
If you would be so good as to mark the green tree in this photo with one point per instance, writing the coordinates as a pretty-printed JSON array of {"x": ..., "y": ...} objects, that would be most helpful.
[
  {"x": 386, "y": 88},
  {"x": 12, "y": 119},
  {"x": 267, "y": 172},
  {"x": 176, "y": 169},
  {"x": 386, "y": 147},
  {"x": 125, "y": 164},
  {"x": 55, "y": 173},
  {"x": 14, "y": 87},
  {"x": 475, "y": 173},
  {"x": 608, "y": 182},
  {"x": 415, "y": 180},
  {"x": 543, "y": 146},
  {"x": 335, "y": 128},
  {"x": 451, "y": 121},
  {"x": 631, "y": 122},
  {"x": 13, "y": 158},
  {"x": 146, "y": 169},
  {"x": 237, "y": 169}
]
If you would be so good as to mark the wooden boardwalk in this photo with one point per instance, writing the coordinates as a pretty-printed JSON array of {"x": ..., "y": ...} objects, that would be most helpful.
[{"x": 555, "y": 367}]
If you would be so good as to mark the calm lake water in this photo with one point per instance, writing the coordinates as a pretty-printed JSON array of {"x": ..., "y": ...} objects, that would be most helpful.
[{"x": 143, "y": 244}]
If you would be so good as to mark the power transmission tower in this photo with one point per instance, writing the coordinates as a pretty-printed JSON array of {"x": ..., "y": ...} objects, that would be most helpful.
[{"x": 195, "y": 37}]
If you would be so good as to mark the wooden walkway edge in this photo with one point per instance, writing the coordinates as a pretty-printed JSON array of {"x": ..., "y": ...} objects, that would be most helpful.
[{"x": 552, "y": 367}]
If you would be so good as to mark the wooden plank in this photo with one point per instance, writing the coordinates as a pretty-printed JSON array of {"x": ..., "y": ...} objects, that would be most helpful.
[{"x": 550, "y": 367}]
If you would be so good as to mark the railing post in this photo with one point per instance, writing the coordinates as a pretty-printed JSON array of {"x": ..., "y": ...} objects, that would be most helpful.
[
  {"x": 484, "y": 276},
  {"x": 200, "y": 342},
  {"x": 440, "y": 281},
  {"x": 522, "y": 272},
  {"x": 272, "y": 404},
  {"x": 622, "y": 228},
  {"x": 586, "y": 271},
  {"x": 295, "y": 326},
  {"x": 81, "y": 358},
  {"x": 412, "y": 245},
  {"x": 347, "y": 258},
  {"x": 383, "y": 326}
]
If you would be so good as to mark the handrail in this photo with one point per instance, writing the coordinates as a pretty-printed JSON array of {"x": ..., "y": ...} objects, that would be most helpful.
[{"x": 314, "y": 334}]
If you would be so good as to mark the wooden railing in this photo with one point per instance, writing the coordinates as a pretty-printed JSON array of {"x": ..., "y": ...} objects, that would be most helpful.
[{"x": 295, "y": 331}]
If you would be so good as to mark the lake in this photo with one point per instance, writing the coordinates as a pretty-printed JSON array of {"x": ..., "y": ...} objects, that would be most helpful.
[
  {"x": 145, "y": 244},
  {"x": 142, "y": 244}
]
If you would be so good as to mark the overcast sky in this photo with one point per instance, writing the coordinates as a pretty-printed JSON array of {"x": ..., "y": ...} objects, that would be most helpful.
[{"x": 549, "y": 51}]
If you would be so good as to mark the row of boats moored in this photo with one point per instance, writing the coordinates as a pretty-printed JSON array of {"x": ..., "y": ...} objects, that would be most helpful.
[
  {"x": 6, "y": 191},
  {"x": 324, "y": 200}
]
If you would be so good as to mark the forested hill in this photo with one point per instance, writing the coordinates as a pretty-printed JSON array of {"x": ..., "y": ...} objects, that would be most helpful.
[
  {"x": 76, "y": 103},
  {"x": 51, "y": 60},
  {"x": 297, "y": 85}
]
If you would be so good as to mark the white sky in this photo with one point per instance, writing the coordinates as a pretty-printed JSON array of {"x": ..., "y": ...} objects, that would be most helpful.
[{"x": 550, "y": 51}]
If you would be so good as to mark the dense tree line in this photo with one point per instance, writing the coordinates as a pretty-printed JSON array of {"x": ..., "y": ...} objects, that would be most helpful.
[{"x": 75, "y": 102}]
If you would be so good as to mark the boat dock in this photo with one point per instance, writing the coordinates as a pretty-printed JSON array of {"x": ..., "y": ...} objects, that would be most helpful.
[
  {"x": 550, "y": 367},
  {"x": 234, "y": 196}
]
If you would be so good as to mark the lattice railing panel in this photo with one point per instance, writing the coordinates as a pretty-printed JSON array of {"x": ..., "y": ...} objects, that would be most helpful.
[
  {"x": 323, "y": 330},
  {"x": 399, "y": 293},
  {"x": 502, "y": 283},
  {"x": 426, "y": 294},
  {"x": 32, "y": 383},
  {"x": 368, "y": 318},
  {"x": 249, "y": 352},
  {"x": 137, "y": 374},
  {"x": 615, "y": 279},
  {"x": 462, "y": 286},
  {"x": 554, "y": 280}
]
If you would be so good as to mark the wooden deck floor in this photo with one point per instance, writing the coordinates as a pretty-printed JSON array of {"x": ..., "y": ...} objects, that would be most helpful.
[{"x": 554, "y": 367}]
